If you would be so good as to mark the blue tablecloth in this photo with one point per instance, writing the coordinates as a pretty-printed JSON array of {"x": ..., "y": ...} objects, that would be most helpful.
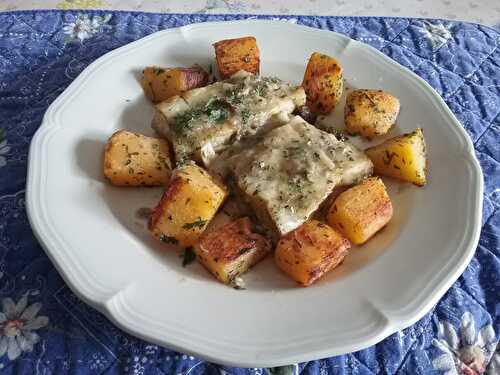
[{"x": 45, "y": 329}]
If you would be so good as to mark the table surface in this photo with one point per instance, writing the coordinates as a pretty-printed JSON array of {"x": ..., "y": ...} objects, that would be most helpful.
[
  {"x": 486, "y": 12},
  {"x": 46, "y": 329}
]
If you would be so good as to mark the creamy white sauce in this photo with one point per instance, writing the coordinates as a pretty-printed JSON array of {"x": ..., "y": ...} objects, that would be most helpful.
[
  {"x": 204, "y": 121},
  {"x": 293, "y": 170}
]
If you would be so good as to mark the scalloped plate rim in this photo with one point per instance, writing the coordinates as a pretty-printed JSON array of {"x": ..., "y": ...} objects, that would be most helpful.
[{"x": 99, "y": 299}]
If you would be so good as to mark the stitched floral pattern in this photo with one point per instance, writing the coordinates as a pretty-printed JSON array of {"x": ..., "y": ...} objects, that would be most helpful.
[
  {"x": 85, "y": 27},
  {"x": 467, "y": 352},
  {"x": 18, "y": 323},
  {"x": 42, "y": 52}
]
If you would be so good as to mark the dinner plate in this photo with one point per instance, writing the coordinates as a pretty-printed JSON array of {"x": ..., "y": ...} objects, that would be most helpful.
[{"x": 93, "y": 235}]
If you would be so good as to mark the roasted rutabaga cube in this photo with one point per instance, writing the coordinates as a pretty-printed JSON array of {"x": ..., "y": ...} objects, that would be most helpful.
[
  {"x": 310, "y": 251},
  {"x": 206, "y": 120},
  {"x": 233, "y": 55},
  {"x": 132, "y": 159},
  {"x": 370, "y": 112},
  {"x": 403, "y": 157},
  {"x": 323, "y": 83},
  {"x": 160, "y": 84},
  {"x": 361, "y": 211},
  {"x": 292, "y": 170},
  {"x": 191, "y": 200},
  {"x": 232, "y": 249}
]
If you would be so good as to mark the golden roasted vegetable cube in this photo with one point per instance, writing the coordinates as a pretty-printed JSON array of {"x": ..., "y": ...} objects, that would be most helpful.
[
  {"x": 403, "y": 157},
  {"x": 310, "y": 251},
  {"x": 191, "y": 200},
  {"x": 231, "y": 250},
  {"x": 132, "y": 159},
  {"x": 370, "y": 112},
  {"x": 323, "y": 83},
  {"x": 361, "y": 211},
  {"x": 233, "y": 55},
  {"x": 160, "y": 84}
]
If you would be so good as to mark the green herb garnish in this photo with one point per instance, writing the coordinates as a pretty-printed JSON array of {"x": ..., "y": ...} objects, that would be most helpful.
[
  {"x": 198, "y": 223},
  {"x": 245, "y": 115},
  {"x": 387, "y": 159},
  {"x": 217, "y": 110},
  {"x": 188, "y": 256},
  {"x": 261, "y": 89},
  {"x": 168, "y": 239}
]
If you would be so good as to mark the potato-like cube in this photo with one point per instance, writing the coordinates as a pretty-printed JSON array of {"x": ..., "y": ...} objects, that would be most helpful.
[
  {"x": 361, "y": 211},
  {"x": 191, "y": 200},
  {"x": 162, "y": 83},
  {"x": 132, "y": 159},
  {"x": 310, "y": 251},
  {"x": 370, "y": 112},
  {"x": 233, "y": 55},
  {"x": 403, "y": 157},
  {"x": 323, "y": 83},
  {"x": 231, "y": 250}
]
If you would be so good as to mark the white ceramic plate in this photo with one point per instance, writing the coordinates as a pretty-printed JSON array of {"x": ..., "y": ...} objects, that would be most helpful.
[{"x": 92, "y": 234}]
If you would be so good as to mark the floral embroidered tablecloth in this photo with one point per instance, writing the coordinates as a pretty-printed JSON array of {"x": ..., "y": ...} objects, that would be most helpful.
[
  {"x": 45, "y": 329},
  {"x": 486, "y": 12}
]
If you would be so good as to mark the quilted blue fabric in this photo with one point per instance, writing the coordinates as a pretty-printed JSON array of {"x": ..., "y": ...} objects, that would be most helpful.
[{"x": 45, "y": 329}]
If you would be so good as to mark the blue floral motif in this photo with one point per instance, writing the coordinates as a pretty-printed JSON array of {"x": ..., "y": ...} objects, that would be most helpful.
[
  {"x": 18, "y": 323},
  {"x": 85, "y": 27},
  {"x": 466, "y": 353},
  {"x": 460, "y": 60},
  {"x": 437, "y": 33}
]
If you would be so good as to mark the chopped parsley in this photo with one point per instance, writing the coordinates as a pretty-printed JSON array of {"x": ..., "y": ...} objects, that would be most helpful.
[
  {"x": 245, "y": 115},
  {"x": 235, "y": 95},
  {"x": 185, "y": 121},
  {"x": 168, "y": 239},
  {"x": 216, "y": 111},
  {"x": 188, "y": 256},
  {"x": 387, "y": 158},
  {"x": 198, "y": 223},
  {"x": 261, "y": 89}
]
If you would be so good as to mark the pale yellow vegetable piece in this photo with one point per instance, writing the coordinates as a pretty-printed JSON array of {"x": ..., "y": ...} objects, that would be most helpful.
[
  {"x": 191, "y": 200},
  {"x": 132, "y": 159},
  {"x": 403, "y": 157},
  {"x": 160, "y": 84},
  {"x": 310, "y": 251},
  {"x": 370, "y": 112},
  {"x": 233, "y": 55},
  {"x": 361, "y": 211},
  {"x": 232, "y": 249},
  {"x": 323, "y": 83}
]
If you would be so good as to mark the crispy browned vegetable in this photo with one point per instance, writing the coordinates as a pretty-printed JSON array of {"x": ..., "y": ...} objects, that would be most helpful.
[
  {"x": 132, "y": 159},
  {"x": 361, "y": 211},
  {"x": 323, "y": 83},
  {"x": 191, "y": 200},
  {"x": 233, "y": 55},
  {"x": 403, "y": 157},
  {"x": 310, "y": 251},
  {"x": 370, "y": 112},
  {"x": 231, "y": 250},
  {"x": 160, "y": 84}
]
